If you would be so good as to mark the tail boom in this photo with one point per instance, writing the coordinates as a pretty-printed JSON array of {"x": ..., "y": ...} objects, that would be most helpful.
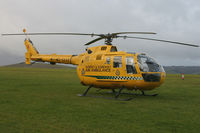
[
  {"x": 33, "y": 54},
  {"x": 65, "y": 59}
]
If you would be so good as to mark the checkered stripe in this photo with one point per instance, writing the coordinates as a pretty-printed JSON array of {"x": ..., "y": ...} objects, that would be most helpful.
[
  {"x": 126, "y": 78},
  {"x": 116, "y": 77}
]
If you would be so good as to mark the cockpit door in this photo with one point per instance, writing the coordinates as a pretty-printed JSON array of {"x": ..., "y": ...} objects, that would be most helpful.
[{"x": 130, "y": 65}]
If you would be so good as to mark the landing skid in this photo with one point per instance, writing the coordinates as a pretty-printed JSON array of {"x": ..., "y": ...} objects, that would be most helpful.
[
  {"x": 116, "y": 94},
  {"x": 135, "y": 94},
  {"x": 112, "y": 98},
  {"x": 113, "y": 91}
]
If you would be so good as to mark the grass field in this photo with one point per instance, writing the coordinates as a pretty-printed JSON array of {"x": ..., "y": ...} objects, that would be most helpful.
[{"x": 38, "y": 100}]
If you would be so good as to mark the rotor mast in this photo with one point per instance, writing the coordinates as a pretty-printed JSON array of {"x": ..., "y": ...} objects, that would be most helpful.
[{"x": 109, "y": 39}]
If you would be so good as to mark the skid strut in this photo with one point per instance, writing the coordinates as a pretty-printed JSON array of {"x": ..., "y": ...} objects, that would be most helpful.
[
  {"x": 85, "y": 93},
  {"x": 118, "y": 93},
  {"x": 113, "y": 91}
]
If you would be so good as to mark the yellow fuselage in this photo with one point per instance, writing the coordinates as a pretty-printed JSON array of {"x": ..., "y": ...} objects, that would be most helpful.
[{"x": 104, "y": 67}]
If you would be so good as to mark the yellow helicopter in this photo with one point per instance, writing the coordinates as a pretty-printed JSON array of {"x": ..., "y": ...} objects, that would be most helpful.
[{"x": 104, "y": 66}]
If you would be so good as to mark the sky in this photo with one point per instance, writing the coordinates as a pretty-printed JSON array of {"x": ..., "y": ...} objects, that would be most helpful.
[{"x": 176, "y": 20}]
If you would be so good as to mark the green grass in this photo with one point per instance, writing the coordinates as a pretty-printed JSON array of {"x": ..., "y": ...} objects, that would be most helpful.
[{"x": 34, "y": 100}]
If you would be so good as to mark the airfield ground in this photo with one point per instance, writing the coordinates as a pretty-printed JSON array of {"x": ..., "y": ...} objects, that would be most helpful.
[{"x": 45, "y": 101}]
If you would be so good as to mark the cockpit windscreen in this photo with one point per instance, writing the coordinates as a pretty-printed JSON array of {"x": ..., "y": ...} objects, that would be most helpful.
[{"x": 148, "y": 64}]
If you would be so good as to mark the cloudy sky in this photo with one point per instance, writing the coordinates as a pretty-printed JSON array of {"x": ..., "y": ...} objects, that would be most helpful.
[{"x": 176, "y": 20}]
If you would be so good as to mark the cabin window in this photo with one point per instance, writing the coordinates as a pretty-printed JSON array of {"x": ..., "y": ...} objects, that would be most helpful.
[
  {"x": 117, "y": 61},
  {"x": 113, "y": 49},
  {"x": 130, "y": 65},
  {"x": 103, "y": 48},
  {"x": 108, "y": 60},
  {"x": 98, "y": 57}
]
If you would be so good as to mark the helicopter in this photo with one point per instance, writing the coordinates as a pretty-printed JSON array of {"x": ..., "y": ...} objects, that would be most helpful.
[{"x": 105, "y": 67}]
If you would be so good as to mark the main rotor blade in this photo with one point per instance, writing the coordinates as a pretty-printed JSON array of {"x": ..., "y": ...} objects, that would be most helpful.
[
  {"x": 95, "y": 40},
  {"x": 76, "y": 33},
  {"x": 152, "y": 39},
  {"x": 51, "y": 34},
  {"x": 134, "y": 33}
]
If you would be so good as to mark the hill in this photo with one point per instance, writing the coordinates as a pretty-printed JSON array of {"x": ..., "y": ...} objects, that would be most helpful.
[{"x": 182, "y": 69}]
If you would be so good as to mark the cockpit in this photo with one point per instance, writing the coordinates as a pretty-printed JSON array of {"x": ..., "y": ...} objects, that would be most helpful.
[{"x": 148, "y": 64}]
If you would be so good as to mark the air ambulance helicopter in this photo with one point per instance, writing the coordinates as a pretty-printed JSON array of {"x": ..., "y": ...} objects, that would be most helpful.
[{"x": 105, "y": 67}]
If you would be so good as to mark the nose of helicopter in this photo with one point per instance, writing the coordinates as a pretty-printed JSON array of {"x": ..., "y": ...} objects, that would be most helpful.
[
  {"x": 153, "y": 77},
  {"x": 153, "y": 80}
]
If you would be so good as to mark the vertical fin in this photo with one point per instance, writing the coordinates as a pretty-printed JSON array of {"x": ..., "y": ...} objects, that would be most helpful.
[{"x": 31, "y": 50}]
